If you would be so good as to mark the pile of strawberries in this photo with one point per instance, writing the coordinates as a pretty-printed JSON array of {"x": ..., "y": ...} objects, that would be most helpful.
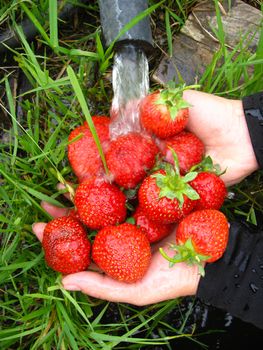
[{"x": 150, "y": 181}]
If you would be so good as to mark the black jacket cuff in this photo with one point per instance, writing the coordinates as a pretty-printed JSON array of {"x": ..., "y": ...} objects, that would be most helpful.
[{"x": 253, "y": 108}]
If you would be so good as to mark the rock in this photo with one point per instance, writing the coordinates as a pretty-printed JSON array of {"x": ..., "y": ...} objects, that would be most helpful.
[{"x": 194, "y": 47}]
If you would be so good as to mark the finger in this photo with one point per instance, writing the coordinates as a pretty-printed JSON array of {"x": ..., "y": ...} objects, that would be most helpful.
[
  {"x": 62, "y": 187},
  {"x": 54, "y": 211},
  {"x": 38, "y": 229},
  {"x": 100, "y": 286}
]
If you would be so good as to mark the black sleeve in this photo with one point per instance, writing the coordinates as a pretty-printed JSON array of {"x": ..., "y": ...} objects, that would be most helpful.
[
  {"x": 234, "y": 283},
  {"x": 253, "y": 108}
]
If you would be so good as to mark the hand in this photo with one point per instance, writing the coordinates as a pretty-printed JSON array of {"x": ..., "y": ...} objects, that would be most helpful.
[
  {"x": 220, "y": 123},
  {"x": 160, "y": 282}
]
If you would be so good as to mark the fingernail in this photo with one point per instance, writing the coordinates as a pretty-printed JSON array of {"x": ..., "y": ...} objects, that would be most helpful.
[{"x": 71, "y": 287}]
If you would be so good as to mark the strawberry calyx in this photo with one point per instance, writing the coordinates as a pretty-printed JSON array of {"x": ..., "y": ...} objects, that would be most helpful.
[
  {"x": 172, "y": 98},
  {"x": 207, "y": 165},
  {"x": 186, "y": 253},
  {"x": 174, "y": 186}
]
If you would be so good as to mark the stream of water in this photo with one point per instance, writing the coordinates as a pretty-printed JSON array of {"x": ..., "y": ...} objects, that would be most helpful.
[{"x": 130, "y": 82}]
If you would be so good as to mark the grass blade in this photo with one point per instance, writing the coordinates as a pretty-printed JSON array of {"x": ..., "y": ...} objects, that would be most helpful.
[
  {"x": 53, "y": 23},
  {"x": 168, "y": 33},
  {"x": 12, "y": 108},
  {"x": 80, "y": 96}
]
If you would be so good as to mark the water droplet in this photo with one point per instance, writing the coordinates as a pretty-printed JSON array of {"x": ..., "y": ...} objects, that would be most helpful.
[
  {"x": 230, "y": 195},
  {"x": 261, "y": 266},
  {"x": 236, "y": 275},
  {"x": 237, "y": 285},
  {"x": 253, "y": 287},
  {"x": 228, "y": 319},
  {"x": 253, "y": 270}
]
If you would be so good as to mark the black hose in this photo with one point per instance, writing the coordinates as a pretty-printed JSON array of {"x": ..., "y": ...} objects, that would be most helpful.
[
  {"x": 10, "y": 39},
  {"x": 115, "y": 14}
]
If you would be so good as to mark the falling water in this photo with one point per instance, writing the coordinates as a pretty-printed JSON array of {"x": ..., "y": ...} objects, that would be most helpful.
[{"x": 130, "y": 82}]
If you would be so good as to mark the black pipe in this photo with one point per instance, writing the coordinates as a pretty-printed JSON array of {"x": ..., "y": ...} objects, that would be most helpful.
[
  {"x": 115, "y": 14},
  {"x": 9, "y": 36},
  {"x": 10, "y": 39}
]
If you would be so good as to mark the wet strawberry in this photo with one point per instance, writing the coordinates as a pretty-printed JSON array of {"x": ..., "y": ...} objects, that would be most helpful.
[
  {"x": 211, "y": 189},
  {"x": 123, "y": 252},
  {"x": 166, "y": 199},
  {"x": 100, "y": 203},
  {"x": 200, "y": 236},
  {"x": 164, "y": 113},
  {"x": 66, "y": 245},
  {"x": 188, "y": 147},
  {"x": 154, "y": 230},
  {"x": 74, "y": 214},
  {"x": 129, "y": 157},
  {"x": 83, "y": 153}
]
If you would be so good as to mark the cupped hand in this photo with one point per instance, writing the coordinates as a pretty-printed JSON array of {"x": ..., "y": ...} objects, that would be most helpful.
[
  {"x": 160, "y": 283},
  {"x": 220, "y": 123}
]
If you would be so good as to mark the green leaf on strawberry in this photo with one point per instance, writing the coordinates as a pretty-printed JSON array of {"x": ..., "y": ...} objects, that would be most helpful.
[
  {"x": 173, "y": 99},
  {"x": 186, "y": 253},
  {"x": 172, "y": 185},
  {"x": 208, "y": 165}
]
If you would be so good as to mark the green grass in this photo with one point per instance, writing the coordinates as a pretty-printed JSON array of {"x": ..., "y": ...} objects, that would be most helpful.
[{"x": 68, "y": 73}]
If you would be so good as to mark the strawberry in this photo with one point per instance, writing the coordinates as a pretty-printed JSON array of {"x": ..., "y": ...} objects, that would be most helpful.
[
  {"x": 164, "y": 113},
  {"x": 100, "y": 203},
  {"x": 74, "y": 214},
  {"x": 158, "y": 197},
  {"x": 66, "y": 245},
  {"x": 123, "y": 252},
  {"x": 188, "y": 147},
  {"x": 154, "y": 230},
  {"x": 166, "y": 196},
  {"x": 129, "y": 157},
  {"x": 200, "y": 236},
  {"x": 83, "y": 153},
  {"x": 211, "y": 189}
]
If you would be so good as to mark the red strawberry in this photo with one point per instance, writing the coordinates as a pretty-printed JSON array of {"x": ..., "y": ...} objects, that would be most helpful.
[
  {"x": 74, "y": 214},
  {"x": 123, "y": 252},
  {"x": 83, "y": 153},
  {"x": 208, "y": 230},
  {"x": 188, "y": 147},
  {"x": 154, "y": 230},
  {"x": 166, "y": 197},
  {"x": 129, "y": 157},
  {"x": 200, "y": 236},
  {"x": 211, "y": 189},
  {"x": 66, "y": 245},
  {"x": 100, "y": 203},
  {"x": 164, "y": 113}
]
